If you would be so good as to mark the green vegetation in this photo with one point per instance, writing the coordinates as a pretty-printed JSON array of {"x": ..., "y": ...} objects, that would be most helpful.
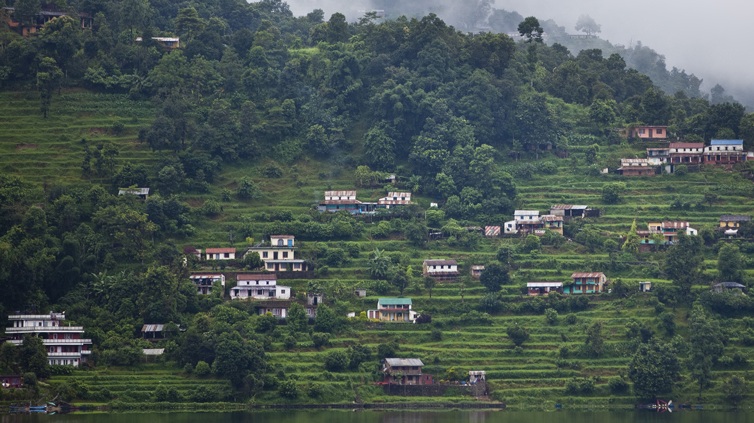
[{"x": 238, "y": 134}]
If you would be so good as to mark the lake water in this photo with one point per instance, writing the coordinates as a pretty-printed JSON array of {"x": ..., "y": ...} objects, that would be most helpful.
[{"x": 320, "y": 416}]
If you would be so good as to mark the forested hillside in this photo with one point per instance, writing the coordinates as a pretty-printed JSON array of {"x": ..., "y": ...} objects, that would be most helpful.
[{"x": 240, "y": 130}]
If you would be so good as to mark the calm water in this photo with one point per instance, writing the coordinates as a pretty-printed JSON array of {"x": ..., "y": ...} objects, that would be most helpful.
[{"x": 299, "y": 416}]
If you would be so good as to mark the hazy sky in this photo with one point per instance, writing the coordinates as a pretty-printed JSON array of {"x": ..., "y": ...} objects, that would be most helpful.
[{"x": 711, "y": 39}]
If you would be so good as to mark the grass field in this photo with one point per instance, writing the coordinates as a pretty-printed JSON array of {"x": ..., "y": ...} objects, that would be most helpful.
[{"x": 49, "y": 151}]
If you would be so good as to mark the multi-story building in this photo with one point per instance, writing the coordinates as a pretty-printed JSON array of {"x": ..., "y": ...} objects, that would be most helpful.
[
  {"x": 64, "y": 344},
  {"x": 205, "y": 281},
  {"x": 279, "y": 255},
  {"x": 259, "y": 286}
]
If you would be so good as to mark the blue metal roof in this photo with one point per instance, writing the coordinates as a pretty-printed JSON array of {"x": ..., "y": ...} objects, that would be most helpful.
[{"x": 726, "y": 142}]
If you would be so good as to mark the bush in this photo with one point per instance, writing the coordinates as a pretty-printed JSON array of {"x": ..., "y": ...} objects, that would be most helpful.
[
  {"x": 551, "y": 316},
  {"x": 289, "y": 342},
  {"x": 435, "y": 335},
  {"x": 617, "y": 385},
  {"x": 612, "y": 192},
  {"x": 202, "y": 369},
  {"x": 517, "y": 334},
  {"x": 336, "y": 361},
  {"x": 320, "y": 339},
  {"x": 681, "y": 170},
  {"x": 288, "y": 389},
  {"x": 571, "y": 319},
  {"x": 579, "y": 386},
  {"x": 272, "y": 171}
]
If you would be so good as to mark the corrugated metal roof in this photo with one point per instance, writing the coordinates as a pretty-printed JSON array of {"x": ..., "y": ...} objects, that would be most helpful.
[
  {"x": 726, "y": 142},
  {"x": 587, "y": 275},
  {"x": 340, "y": 193},
  {"x": 686, "y": 145},
  {"x": 568, "y": 207},
  {"x": 449, "y": 262},
  {"x": 394, "y": 301},
  {"x": 152, "y": 328},
  {"x": 526, "y": 212},
  {"x": 675, "y": 225},
  {"x": 735, "y": 218},
  {"x": 153, "y": 351},
  {"x": 404, "y": 362},
  {"x": 220, "y": 250},
  {"x": 346, "y": 202},
  {"x": 544, "y": 284},
  {"x": 256, "y": 277},
  {"x": 551, "y": 218}
]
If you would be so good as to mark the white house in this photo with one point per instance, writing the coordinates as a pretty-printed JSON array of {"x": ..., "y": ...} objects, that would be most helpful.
[
  {"x": 440, "y": 269},
  {"x": 220, "y": 253},
  {"x": 259, "y": 286},
  {"x": 64, "y": 344},
  {"x": 279, "y": 255}
]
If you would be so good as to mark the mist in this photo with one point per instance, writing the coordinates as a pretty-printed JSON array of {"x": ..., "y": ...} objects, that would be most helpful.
[{"x": 700, "y": 37}]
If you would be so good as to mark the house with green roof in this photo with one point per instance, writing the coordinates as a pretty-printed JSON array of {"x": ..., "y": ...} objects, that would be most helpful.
[{"x": 393, "y": 310}]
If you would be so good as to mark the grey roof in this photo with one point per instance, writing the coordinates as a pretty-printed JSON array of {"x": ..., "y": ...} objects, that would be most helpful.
[
  {"x": 726, "y": 142},
  {"x": 729, "y": 285},
  {"x": 735, "y": 218},
  {"x": 404, "y": 362},
  {"x": 153, "y": 351}
]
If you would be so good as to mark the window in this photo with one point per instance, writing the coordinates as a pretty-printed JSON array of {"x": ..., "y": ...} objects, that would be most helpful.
[
  {"x": 265, "y": 254},
  {"x": 260, "y": 291},
  {"x": 282, "y": 291},
  {"x": 280, "y": 243},
  {"x": 285, "y": 254},
  {"x": 659, "y": 131},
  {"x": 226, "y": 255}
]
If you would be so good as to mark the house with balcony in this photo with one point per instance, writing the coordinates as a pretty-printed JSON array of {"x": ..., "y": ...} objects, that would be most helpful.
[
  {"x": 685, "y": 153},
  {"x": 336, "y": 201},
  {"x": 404, "y": 371},
  {"x": 441, "y": 270},
  {"x": 543, "y": 288},
  {"x": 731, "y": 222},
  {"x": 671, "y": 229},
  {"x": 393, "y": 310},
  {"x": 639, "y": 167},
  {"x": 394, "y": 199},
  {"x": 552, "y": 223},
  {"x": 648, "y": 132},
  {"x": 206, "y": 281},
  {"x": 280, "y": 255},
  {"x": 220, "y": 253},
  {"x": 570, "y": 211},
  {"x": 259, "y": 286},
  {"x": 524, "y": 222},
  {"x": 65, "y": 345},
  {"x": 586, "y": 283},
  {"x": 724, "y": 152}
]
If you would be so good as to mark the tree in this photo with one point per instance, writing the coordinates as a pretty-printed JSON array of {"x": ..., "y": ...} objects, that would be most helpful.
[
  {"x": 683, "y": 263},
  {"x": 379, "y": 147},
  {"x": 32, "y": 356},
  {"x": 494, "y": 276},
  {"x": 336, "y": 361},
  {"x": 379, "y": 264},
  {"x": 429, "y": 284},
  {"x": 594, "y": 342},
  {"x": 48, "y": 80},
  {"x": 730, "y": 264},
  {"x": 735, "y": 390},
  {"x": 612, "y": 192},
  {"x": 398, "y": 278},
  {"x": 517, "y": 334},
  {"x": 530, "y": 29},
  {"x": 654, "y": 369},
  {"x": 326, "y": 320},
  {"x": 632, "y": 243},
  {"x": 706, "y": 344},
  {"x": 586, "y": 24},
  {"x": 296, "y": 319}
]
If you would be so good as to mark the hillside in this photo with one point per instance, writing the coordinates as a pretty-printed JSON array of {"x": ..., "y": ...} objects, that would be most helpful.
[{"x": 238, "y": 135}]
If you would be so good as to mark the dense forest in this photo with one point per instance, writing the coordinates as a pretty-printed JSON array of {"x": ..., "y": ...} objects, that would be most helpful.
[{"x": 468, "y": 119}]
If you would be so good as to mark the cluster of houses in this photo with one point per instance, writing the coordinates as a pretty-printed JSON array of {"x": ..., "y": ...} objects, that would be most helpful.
[
  {"x": 336, "y": 201},
  {"x": 278, "y": 255},
  {"x": 531, "y": 222},
  {"x": 666, "y": 159},
  {"x": 580, "y": 283}
]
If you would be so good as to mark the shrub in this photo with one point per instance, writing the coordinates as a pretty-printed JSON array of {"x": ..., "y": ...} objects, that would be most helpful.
[
  {"x": 288, "y": 389},
  {"x": 435, "y": 335},
  {"x": 336, "y": 361},
  {"x": 551, "y": 316},
  {"x": 202, "y": 369},
  {"x": 320, "y": 339},
  {"x": 517, "y": 334},
  {"x": 681, "y": 170},
  {"x": 579, "y": 385},
  {"x": 617, "y": 385},
  {"x": 289, "y": 342},
  {"x": 612, "y": 192},
  {"x": 571, "y": 319},
  {"x": 272, "y": 171}
]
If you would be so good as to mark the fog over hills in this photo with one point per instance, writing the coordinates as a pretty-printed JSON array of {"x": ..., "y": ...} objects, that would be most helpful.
[{"x": 708, "y": 39}]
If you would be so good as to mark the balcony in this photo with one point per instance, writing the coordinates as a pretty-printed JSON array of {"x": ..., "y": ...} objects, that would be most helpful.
[
  {"x": 73, "y": 354},
  {"x": 44, "y": 329}
]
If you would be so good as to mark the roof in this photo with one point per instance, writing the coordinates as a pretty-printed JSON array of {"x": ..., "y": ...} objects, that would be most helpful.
[
  {"x": 551, "y": 218},
  {"x": 153, "y": 351},
  {"x": 283, "y": 236},
  {"x": 220, "y": 250},
  {"x": 153, "y": 327},
  {"x": 477, "y": 267},
  {"x": 651, "y": 126},
  {"x": 134, "y": 191},
  {"x": 525, "y": 212},
  {"x": 544, "y": 284},
  {"x": 340, "y": 193},
  {"x": 399, "y": 194},
  {"x": 568, "y": 207},
  {"x": 433, "y": 262},
  {"x": 587, "y": 275},
  {"x": 675, "y": 225},
  {"x": 340, "y": 202},
  {"x": 205, "y": 275},
  {"x": 729, "y": 285},
  {"x": 394, "y": 301},
  {"x": 735, "y": 218},
  {"x": 404, "y": 362},
  {"x": 726, "y": 142},
  {"x": 686, "y": 145},
  {"x": 256, "y": 276}
]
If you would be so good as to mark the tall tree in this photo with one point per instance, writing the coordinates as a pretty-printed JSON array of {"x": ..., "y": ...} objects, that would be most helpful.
[
  {"x": 683, "y": 264},
  {"x": 587, "y": 24},
  {"x": 730, "y": 264},
  {"x": 654, "y": 369},
  {"x": 49, "y": 76},
  {"x": 706, "y": 344},
  {"x": 530, "y": 29}
]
